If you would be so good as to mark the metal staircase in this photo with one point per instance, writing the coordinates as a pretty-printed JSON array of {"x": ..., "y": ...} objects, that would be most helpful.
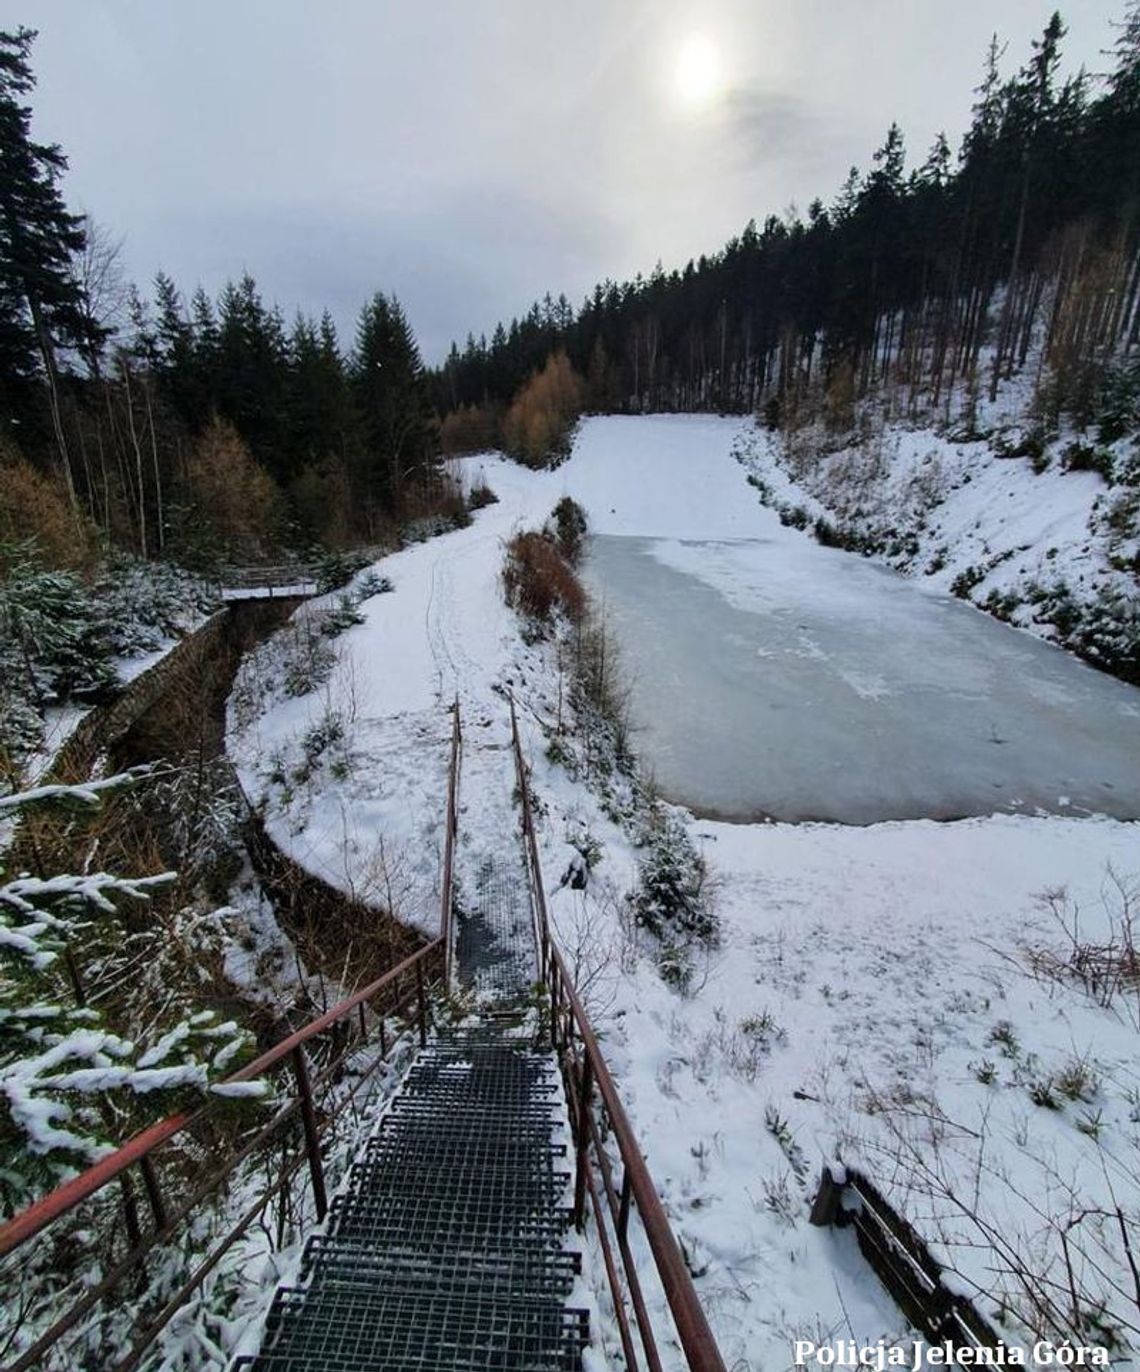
[{"x": 447, "y": 1247}]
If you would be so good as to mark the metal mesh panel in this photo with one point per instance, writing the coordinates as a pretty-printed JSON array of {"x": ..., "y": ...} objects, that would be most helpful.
[
  {"x": 495, "y": 947},
  {"x": 446, "y": 1248}
]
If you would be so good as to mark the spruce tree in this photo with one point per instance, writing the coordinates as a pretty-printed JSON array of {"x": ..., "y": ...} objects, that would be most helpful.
[
  {"x": 392, "y": 397},
  {"x": 41, "y": 305},
  {"x": 68, "y": 1081},
  {"x": 39, "y": 236}
]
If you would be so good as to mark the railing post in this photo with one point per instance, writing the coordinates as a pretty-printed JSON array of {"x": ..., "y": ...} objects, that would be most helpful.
[
  {"x": 451, "y": 825},
  {"x": 422, "y": 1003},
  {"x": 583, "y": 1142},
  {"x": 555, "y": 1004},
  {"x": 623, "y": 1208},
  {"x": 130, "y": 1212},
  {"x": 153, "y": 1192},
  {"x": 312, "y": 1140},
  {"x": 828, "y": 1204}
]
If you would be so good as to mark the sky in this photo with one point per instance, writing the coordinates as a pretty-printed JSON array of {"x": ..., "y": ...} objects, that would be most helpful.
[{"x": 471, "y": 155}]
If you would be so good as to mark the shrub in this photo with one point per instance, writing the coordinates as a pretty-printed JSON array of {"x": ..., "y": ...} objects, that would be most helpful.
[
  {"x": 469, "y": 429},
  {"x": 481, "y": 496},
  {"x": 794, "y": 516},
  {"x": 1002, "y": 604},
  {"x": 325, "y": 733},
  {"x": 145, "y": 603},
  {"x": 538, "y": 581},
  {"x": 966, "y": 580},
  {"x": 52, "y": 635},
  {"x": 35, "y": 506},
  {"x": 70, "y": 1085},
  {"x": 1081, "y": 457},
  {"x": 345, "y": 614},
  {"x": 309, "y": 663},
  {"x": 233, "y": 494},
  {"x": 541, "y": 419},
  {"x": 337, "y": 569},
  {"x": 569, "y": 528},
  {"x": 673, "y": 896},
  {"x": 1120, "y": 406},
  {"x": 1030, "y": 445},
  {"x": 1122, "y": 519},
  {"x": 371, "y": 584}
]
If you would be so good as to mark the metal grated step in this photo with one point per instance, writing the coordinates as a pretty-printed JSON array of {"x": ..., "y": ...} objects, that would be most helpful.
[
  {"x": 446, "y": 1249},
  {"x": 361, "y": 1332}
]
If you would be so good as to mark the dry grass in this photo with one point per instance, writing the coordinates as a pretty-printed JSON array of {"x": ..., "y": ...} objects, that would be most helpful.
[
  {"x": 35, "y": 505},
  {"x": 1104, "y": 960},
  {"x": 539, "y": 582}
]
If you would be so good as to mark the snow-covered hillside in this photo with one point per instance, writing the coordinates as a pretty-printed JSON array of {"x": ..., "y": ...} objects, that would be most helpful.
[
  {"x": 881, "y": 992},
  {"x": 1039, "y": 532}
]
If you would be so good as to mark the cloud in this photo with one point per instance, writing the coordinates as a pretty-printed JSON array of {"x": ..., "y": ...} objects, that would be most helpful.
[
  {"x": 442, "y": 253},
  {"x": 773, "y": 125}
]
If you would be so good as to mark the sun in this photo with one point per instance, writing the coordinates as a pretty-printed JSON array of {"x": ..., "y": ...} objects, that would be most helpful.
[{"x": 698, "y": 74}]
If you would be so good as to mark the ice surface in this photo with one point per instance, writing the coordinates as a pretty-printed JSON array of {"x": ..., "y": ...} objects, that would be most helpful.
[{"x": 773, "y": 676}]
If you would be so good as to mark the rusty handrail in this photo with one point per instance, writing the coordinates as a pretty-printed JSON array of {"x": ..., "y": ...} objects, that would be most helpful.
[
  {"x": 585, "y": 1071},
  {"x": 452, "y": 828},
  {"x": 66, "y": 1197},
  {"x": 401, "y": 987}
]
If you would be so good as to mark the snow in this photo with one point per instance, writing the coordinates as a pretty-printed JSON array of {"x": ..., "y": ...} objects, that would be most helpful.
[
  {"x": 871, "y": 1000},
  {"x": 95, "y": 889},
  {"x": 242, "y": 1090},
  {"x": 945, "y": 507},
  {"x": 300, "y": 588},
  {"x": 85, "y": 793}
]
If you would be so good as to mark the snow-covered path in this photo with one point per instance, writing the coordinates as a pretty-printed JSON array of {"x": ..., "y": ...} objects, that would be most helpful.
[{"x": 870, "y": 993}]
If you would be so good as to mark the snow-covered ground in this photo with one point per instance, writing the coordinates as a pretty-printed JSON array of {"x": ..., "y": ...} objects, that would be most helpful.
[
  {"x": 1032, "y": 537},
  {"x": 870, "y": 996}
]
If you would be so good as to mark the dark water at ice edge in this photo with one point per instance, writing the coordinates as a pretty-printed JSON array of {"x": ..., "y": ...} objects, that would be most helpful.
[{"x": 830, "y": 688}]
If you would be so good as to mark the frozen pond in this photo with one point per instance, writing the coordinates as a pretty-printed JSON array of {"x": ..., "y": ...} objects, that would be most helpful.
[{"x": 779, "y": 678}]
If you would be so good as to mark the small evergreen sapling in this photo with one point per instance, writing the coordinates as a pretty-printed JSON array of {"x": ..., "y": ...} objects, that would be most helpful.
[
  {"x": 65, "y": 1076},
  {"x": 52, "y": 637}
]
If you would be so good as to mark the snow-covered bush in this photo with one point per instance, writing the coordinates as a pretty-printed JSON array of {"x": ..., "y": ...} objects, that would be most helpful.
[
  {"x": 344, "y": 614},
  {"x": 1120, "y": 401},
  {"x": 338, "y": 569},
  {"x": 144, "y": 604},
  {"x": 419, "y": 530},
  {"x": 308, "y": 663},
  {"x": 53, "y": 639},
  {"x": 198, "y": 806},
  {"x": 1105, "y": 629},
  {"x": 481, "y": 495},
  {"x": 673, "y": 895},
  {"x": 69, "y": 1084},
  {"x": 569, "y": 527},
  {"x": 369, "y": 585},
  {"x": 60, "y": 635}
]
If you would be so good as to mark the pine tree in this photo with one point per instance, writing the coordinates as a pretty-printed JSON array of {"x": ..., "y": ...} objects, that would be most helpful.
[
  {"x": 392, "y": 397},
  {"x": 252, "y": 370},
  {"x": 41, "y": 305}
]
